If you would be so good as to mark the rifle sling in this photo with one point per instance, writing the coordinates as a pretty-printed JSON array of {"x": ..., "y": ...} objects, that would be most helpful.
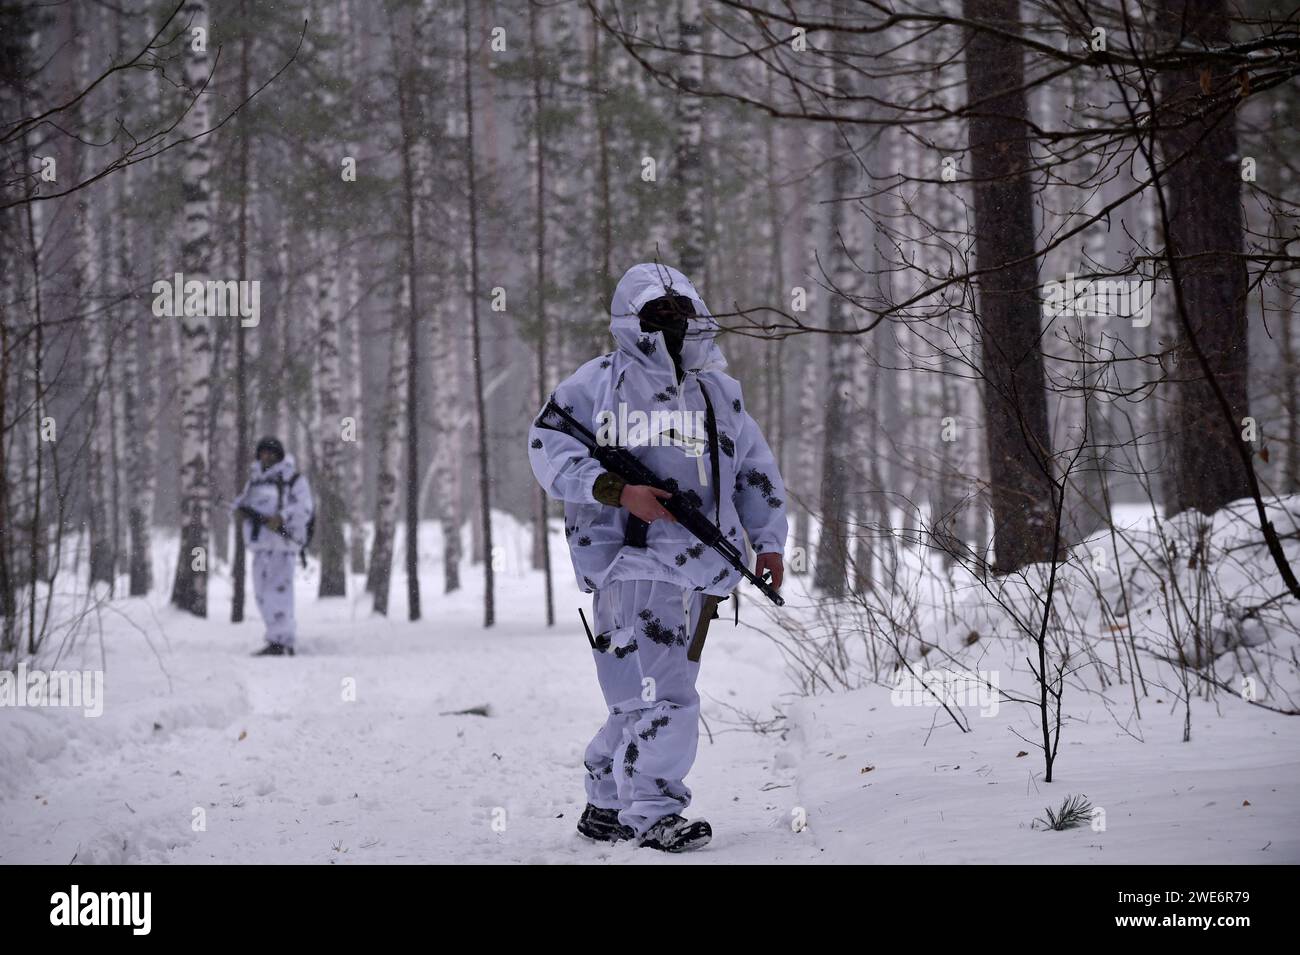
[{"x": 711, "y": 426}]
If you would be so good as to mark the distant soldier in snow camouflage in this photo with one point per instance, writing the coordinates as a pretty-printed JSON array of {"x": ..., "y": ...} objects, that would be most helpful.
[
  {"x": 655, "y": 585},
  {"x": 275, "y": 510}
]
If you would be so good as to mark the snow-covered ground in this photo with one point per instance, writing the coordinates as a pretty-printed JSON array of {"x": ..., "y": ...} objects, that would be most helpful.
[
  {"x": 962, "y": 798},
  {"x": 353, "y": 751}
]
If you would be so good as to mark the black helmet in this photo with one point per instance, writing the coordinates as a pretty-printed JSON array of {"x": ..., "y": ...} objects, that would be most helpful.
[{"x": 270, "y": 444}]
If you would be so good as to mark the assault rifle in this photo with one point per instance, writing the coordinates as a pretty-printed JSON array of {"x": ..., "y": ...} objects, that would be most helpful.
[
  {"x": 259, "y": 521},
  {"x": 622, "y": 462}
]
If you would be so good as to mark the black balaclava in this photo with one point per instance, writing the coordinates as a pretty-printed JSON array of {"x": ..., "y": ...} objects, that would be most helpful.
[{"x": 668, "y": 314}]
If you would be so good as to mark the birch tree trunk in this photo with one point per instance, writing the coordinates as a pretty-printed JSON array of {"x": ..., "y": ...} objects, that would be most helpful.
[
  {"x": 484, "y": 488},
  {"x": 353, "y": 464},
  {"x": 328, "y": 426},
  {"x": 96, "y": 327},
  {"x": 606, "y": 76},
  {"x": 8, "y": 514},
  {"x": 330, "y": 510},
  {"x": 379, "y": 576},
  {"x": 221, "y": 412},
  {"x": 688, "y": 173},
  {"x": 810, "y": 350},
  {"x": 409, "y": 105},
  {"x": 34, "y": 478},
  {"x": 777, "y": 290},
  {"x": 435, "y": 158},
  {"x": 831, "y": 571},
  {"x": 863, "y": 532},
  {"x": 1286, "y": 316},
  {"x": 450, "y": 356},
  {"x": 538, "y": 144},
  {"x": 599, "y": 197},
  {"x": 354, "y": 308},
  {"x": 190, "y": 588}
]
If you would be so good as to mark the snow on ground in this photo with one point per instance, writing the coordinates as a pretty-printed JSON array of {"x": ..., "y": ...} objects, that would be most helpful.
[
  {"x": 880, "y": 791},
  {"x": 286, "y": 770},
  {"x": 902, "y": 783}
]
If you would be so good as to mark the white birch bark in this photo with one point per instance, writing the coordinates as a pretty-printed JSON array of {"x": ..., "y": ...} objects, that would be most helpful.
[{"x": 189, "y": 590}]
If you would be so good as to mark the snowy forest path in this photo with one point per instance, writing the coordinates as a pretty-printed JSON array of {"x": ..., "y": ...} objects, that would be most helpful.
[{"x": 355, "y": 750}]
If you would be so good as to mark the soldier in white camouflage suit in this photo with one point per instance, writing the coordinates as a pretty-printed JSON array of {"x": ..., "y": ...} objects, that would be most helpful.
[
  {"x": 275, "y": 510},
  {"x": 651, "y": 577}
]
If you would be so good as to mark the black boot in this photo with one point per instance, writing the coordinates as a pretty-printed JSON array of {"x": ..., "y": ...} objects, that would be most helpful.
[
  {"x": 672, "y": 833},
  {"x": 274, "y": 650},
  {"x": 603, "y": 825}
]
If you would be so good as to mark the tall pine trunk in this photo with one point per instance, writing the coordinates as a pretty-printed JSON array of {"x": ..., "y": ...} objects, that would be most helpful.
[
  {"x": 1014, "y": 389},
  {"x": 1203, "y": 195}
]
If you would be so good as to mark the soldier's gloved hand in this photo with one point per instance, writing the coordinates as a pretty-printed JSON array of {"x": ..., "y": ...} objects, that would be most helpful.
[
  {"x": 643, "y": 501},
  {"x": 275, "y": 522},
  {"x": 773, "y": 563}
]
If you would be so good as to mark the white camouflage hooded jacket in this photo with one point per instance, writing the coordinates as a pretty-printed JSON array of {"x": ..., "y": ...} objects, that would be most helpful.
[
  {"x": 639, "y": 376},
  {"x": 280, "y": 489}
]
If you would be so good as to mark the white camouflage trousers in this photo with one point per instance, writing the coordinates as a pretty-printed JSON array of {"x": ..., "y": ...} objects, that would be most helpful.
[
  {"x": 273, "y": 584},
  {"x": 638, "y": 760}
]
